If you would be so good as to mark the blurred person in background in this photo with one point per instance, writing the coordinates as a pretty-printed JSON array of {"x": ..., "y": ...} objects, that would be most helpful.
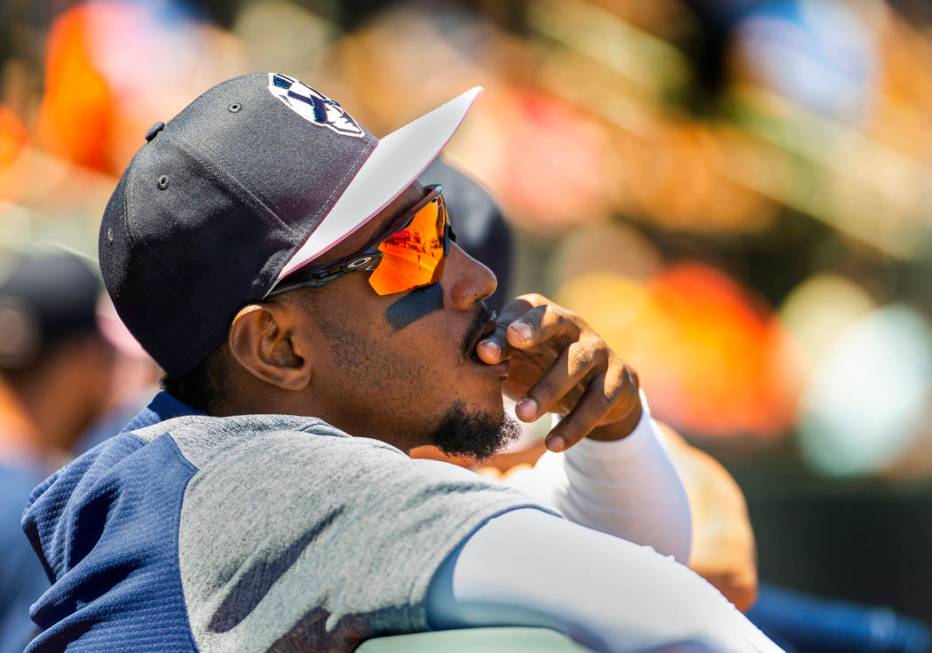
[
  {"x": 723, "y": 548},
  {"x": 56, "y": 374}
]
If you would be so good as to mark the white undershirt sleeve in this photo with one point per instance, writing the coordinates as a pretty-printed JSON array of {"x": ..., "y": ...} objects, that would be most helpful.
[
  {"x": 628, "y": 488},
  {"x": 531, "y": 568}
]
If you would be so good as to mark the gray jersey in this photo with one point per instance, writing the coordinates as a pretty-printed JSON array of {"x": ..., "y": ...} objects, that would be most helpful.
[{"x": 294, "y": 536}]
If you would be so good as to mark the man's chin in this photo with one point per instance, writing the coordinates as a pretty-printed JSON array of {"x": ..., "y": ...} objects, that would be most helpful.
[{"x": 474, "y": 434}]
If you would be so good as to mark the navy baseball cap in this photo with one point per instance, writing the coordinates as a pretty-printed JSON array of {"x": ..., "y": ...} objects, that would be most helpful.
[{"x": 256, "y": 178}]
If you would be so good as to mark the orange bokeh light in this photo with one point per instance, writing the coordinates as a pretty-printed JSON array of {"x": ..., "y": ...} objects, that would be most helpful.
[
  {"x": 721, "y": 353},
  {"x": 76, "y": 114},
  {"x": 712, "y": 358}
]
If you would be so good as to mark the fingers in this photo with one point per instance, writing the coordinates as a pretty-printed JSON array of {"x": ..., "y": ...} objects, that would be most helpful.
[
  {"x": 528, "y": 322},
  {"x": 559, "y": 364},
  {"x": 610, "y": 395},
  {"x": 519, "y": 306},
  {"x": 547, "y": 323},
  {"x": 561, "y": 383},
  {"x": 494, "y": 348}
]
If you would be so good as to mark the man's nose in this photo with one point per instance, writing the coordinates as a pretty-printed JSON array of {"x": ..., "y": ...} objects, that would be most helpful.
[{"x": 466, "y": 281}]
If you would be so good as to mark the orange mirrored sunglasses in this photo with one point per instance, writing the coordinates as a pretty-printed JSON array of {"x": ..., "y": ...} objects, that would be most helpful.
[{"x": 410, "y": 254}]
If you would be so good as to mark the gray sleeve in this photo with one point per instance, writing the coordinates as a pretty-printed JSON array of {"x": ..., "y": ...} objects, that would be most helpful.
[{"x": 296, "y": 539}]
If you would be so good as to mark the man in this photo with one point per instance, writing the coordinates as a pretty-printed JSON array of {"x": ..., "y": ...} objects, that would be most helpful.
[
  {"x": 55, "y": 377},
  {"x": 297, "y": 285}
]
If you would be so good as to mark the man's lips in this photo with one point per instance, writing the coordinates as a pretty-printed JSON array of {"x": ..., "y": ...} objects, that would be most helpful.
[{"x": 499, "y": 369}]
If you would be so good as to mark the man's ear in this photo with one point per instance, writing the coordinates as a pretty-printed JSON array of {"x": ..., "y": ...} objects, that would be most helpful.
[{"x": 264, "y": 340}]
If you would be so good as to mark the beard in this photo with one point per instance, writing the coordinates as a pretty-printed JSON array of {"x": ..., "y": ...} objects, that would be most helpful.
[{"x": 473, "y": 434}]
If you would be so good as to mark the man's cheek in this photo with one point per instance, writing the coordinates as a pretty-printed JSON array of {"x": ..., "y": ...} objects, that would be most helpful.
[{"x": 414, "y": 306}]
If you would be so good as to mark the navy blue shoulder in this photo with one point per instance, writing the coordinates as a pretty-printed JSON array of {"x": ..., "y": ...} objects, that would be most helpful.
[{"x": 106, "y": 530}]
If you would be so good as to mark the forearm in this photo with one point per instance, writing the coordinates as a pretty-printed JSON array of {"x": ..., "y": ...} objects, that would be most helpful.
[
  {"x": 527, "y": 568},
  {"x": 628, "y": 488}
]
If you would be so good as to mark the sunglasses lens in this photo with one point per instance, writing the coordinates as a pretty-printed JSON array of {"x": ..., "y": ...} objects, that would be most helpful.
[{"x": 414, "y": 256}]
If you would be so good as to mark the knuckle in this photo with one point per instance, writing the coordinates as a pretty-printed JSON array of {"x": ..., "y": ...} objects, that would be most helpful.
[
  {"x": 569, "y": 317},
  {"x": 580, "y": 357},
  {"x": 602, "y": 352},
  {"x": 605, "y": 400},
  {"x": 620, "y": 394},
  {"x": 551, "y": 314},
  {"x": 551, "y": 307},
  {"x": 578, "y": 321},
  {"x": 595, "y": 341},
  {"x": 618, "y": 373},
  {"x": 631, "y": 377},
  {"x": 533, "y": 318}
]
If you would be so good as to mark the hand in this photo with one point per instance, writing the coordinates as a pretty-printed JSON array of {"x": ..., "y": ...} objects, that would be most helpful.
[{"x": 558, "y": 364}]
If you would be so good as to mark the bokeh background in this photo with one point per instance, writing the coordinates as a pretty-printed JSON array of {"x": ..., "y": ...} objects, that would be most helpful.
[{"x": 736, "y": 193}]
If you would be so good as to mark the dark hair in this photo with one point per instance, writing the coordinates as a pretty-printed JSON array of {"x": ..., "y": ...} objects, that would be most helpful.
[{"x": 206, "y": 386}]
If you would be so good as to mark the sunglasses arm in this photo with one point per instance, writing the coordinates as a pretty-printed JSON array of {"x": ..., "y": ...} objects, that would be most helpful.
[{"x": 359, "y": 262}]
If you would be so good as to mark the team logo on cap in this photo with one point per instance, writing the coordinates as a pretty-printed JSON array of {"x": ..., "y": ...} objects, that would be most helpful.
[{"x": 312, "y": 105}]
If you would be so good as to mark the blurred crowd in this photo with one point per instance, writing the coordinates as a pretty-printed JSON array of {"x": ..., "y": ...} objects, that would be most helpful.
[{"x": 735, "y": 193}]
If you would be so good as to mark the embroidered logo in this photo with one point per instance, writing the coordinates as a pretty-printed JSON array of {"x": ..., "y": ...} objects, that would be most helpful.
[{"x": 312, "y": 105}]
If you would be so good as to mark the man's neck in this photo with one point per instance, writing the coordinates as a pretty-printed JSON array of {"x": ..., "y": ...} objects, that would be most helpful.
[{"x": 260, "y": 402}]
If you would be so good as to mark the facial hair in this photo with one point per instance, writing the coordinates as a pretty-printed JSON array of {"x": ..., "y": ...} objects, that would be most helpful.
[{"x": 475, "y": 435}]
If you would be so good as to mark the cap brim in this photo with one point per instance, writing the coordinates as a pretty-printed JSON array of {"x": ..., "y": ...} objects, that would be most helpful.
[{"x": 395, "y": 163}]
